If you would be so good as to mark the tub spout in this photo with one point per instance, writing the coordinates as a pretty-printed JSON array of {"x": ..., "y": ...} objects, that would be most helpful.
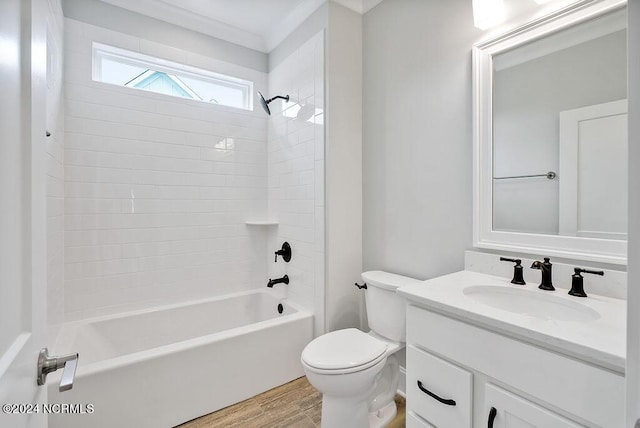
[{"x": 283, "y": 280}]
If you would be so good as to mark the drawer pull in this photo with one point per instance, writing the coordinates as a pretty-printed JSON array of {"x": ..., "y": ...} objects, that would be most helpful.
[
  {"x": 446, "y": 401},
  {"x": 492, "y": 416}
]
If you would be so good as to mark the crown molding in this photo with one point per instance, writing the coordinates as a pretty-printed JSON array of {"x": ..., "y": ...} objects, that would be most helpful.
[
  {"x": 168, "y": 12},
  {"x": 360, "y": 6},
  {"x": 163, "y": 11}
]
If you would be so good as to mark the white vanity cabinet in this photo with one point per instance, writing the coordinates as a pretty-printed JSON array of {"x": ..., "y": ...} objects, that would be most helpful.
[{"x": 464, "y": 370}]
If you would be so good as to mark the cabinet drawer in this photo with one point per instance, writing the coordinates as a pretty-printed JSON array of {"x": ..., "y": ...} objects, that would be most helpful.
[
  {"x": 415, "y": 421},
  {"x": 438, "y": 391},
  {"x": 513, "y": 411}
]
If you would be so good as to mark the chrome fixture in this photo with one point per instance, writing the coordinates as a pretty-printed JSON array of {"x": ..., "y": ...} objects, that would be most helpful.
[
  {"x": 517, "y": 270},
  {"x": 285, "y": 252},
  {"x": 283, "y": 280},
  {"x": 577, "y": 281},
  {"x": 265, "y": 103},
  {"x": 47, "y": 364},
  {"x": 550, "y": 175},
  {"x": 545, "y": 267}
]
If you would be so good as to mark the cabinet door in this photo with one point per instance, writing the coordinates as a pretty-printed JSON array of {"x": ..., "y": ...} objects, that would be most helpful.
[{"x": 512, "y": 411}]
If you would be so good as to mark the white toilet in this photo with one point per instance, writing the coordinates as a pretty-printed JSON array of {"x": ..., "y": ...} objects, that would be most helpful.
[{"x": 357, "y": 372}]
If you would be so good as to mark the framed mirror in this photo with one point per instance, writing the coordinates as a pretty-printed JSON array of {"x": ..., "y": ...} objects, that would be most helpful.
[{"x": 550, "y": 135}]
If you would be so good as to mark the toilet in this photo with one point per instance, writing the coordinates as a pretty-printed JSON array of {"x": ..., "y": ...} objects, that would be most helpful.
[{"x": 357, "y": 372}]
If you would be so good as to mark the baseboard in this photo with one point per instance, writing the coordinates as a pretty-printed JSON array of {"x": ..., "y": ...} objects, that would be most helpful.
[{"x": 402, "y": 382}]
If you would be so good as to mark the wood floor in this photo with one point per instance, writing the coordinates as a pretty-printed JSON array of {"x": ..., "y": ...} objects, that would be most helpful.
[{"x": 296, "y": 404}]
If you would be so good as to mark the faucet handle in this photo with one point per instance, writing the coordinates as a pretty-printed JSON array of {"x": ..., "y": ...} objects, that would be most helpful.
[
  {"x": 581, "y": 270},
  {"x": 285, "y": 252},
  {"x": 517, "y": 270},
  {"x": 577, "y": 281}
]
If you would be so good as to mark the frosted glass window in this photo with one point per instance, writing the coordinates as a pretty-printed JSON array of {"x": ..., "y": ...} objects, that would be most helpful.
[{"x": 134, "y": 70}]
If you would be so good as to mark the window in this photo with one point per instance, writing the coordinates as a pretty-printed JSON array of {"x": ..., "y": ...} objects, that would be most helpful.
[{"x": 131, "y": 69}]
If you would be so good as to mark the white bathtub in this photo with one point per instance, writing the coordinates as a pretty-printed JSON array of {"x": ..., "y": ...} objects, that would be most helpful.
[{"x": 161, "y": 367}]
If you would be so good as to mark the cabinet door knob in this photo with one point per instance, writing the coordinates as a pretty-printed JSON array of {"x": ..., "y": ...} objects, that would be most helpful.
[
  {"x": 446, "y": 401},
  {"x": 492, "y": 416}
]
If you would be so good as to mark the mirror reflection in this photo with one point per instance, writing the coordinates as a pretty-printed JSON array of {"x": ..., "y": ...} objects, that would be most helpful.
[{"x": 560, "y": 133}]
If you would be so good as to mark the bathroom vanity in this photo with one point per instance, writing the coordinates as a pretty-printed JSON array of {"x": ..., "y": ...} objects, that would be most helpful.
[{"x": 480, "y": 349}]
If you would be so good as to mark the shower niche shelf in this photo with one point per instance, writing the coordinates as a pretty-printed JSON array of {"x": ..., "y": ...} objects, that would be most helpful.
[{"x": 261, "y": 223}]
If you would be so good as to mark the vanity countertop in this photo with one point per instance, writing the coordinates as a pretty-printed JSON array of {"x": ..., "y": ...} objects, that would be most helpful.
[{"x": 600, "y": 341}]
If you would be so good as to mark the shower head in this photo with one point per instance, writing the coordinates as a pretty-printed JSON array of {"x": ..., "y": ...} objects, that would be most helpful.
[{"x": 265, "y": 103}]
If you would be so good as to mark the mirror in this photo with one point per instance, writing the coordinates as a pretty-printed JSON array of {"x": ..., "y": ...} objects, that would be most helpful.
[{"x": 551, "y": 135}]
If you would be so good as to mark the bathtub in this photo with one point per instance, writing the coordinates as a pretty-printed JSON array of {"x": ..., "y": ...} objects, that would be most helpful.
[{"x": 165, "y": 366}]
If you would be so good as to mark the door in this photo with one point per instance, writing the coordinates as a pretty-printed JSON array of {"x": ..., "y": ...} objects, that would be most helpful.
[
  {"x": 593, "y": 146},
  {"x": 512, "y": 411},
  {"x": 22, "y": 209}
]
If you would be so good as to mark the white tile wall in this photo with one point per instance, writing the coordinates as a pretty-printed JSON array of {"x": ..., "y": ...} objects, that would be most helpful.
[
  {"x": 55, "y": 166},
  {"x": 157, "y": 188},
  {"x": 296, "y": 173}
]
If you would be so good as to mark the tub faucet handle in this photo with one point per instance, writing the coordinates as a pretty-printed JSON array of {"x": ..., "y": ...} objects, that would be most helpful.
[
  {"x": 48, "y": 364},
  {"x": 285, "y": 252}
]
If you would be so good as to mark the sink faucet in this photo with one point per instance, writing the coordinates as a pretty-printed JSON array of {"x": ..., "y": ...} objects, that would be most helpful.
[
  {"x": 283, "y": 280},
  {"x": 545, "y": 267}
]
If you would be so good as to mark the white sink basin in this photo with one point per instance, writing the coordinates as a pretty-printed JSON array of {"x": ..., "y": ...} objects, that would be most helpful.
[{"x": 536, "y": 303}]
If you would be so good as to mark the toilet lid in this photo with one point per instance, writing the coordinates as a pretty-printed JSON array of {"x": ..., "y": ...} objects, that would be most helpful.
[{"x": 342, "y": 349}]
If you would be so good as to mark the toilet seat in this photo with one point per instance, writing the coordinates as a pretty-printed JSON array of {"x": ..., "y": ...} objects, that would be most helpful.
[{"x": 343, "y": 351}]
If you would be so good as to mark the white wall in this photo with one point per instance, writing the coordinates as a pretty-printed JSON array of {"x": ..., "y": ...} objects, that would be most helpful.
[
  {"x": 296, "y": 174},
  {"x": 417, "y": 136},
  {"x": 55, "y": 166},
  {"x": 343, "y": 165},
  {"x": 157, "y": 188},
  {"x": 316, "y": 22},
  {"x": 528, "y": 98},
  {"x": 633, "y": 269}
]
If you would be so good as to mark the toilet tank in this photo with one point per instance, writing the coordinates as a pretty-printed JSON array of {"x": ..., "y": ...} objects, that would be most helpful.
[{"x": 386, "y": 311}]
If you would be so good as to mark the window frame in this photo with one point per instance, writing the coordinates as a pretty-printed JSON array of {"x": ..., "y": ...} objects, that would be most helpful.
[{"x": 101, "y": 51}]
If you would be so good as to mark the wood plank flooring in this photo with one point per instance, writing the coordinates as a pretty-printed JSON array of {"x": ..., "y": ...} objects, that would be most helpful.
[{"x": 296, "y": 404}]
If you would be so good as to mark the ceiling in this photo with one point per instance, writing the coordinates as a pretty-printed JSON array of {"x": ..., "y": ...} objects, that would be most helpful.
[{"x": 256, "y": 24}]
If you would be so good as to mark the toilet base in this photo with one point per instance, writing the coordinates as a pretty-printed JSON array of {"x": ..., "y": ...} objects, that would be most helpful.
[
  {"x": 341, "y": 412},
  {"x": 382, "y": 417}
]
